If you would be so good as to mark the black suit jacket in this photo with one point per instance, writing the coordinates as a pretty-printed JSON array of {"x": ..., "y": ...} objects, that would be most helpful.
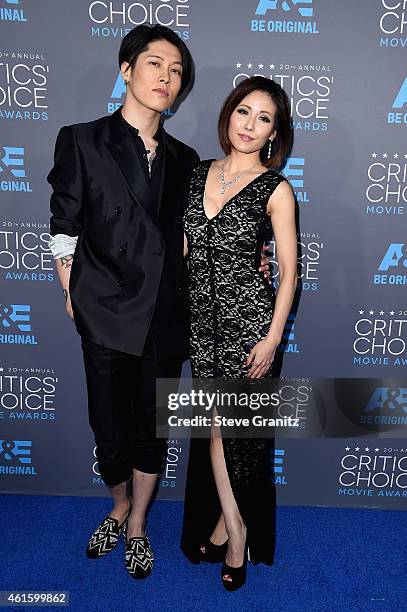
[{"x": 128, "y": 270}]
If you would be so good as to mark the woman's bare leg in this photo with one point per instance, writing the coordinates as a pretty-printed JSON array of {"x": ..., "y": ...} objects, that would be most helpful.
[{"x": 234, "y": 524}]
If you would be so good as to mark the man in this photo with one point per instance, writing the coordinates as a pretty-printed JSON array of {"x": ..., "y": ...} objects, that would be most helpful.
[{"x": 119, "y": 187}]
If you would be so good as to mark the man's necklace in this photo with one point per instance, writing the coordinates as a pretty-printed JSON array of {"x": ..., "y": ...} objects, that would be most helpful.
[
  {"x": 150, "y": 154},
  {"x": 226, "y": 184}
]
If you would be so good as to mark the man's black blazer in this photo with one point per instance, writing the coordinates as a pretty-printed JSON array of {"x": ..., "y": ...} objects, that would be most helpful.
[{"x": 128, "y": 270}]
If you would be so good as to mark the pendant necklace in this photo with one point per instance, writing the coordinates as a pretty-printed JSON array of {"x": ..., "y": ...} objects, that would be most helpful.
[
  {"x": 150, "y": 154},
  {"x": 226, "y": 184}
]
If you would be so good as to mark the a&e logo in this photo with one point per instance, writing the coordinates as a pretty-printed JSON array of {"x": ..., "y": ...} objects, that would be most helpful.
[
  {"x": 16, "y": 317},
  {"x": 386, "y": 406},
  {"x": 277, "y": 459},
  {"x": 294, "y": 172},
  {"x": 399, "y": 115},
  {"x": 12, "y": 450},
  {"x": 300, "y": 11},
  {"x": 288, "y": 344},
  {"x": 393, "y": 266},
  {"x": 117, "y": 97},
  {"x": 119, "y": 89},
  {"x": 16, "y": 454},
  {"x": 10, "y": 12},
  {"x": 12, "y": 167}
]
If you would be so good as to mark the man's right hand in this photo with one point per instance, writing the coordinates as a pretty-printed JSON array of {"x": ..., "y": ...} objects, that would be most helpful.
[
  {"x": 63, "y": 265},
  {"x": 69, "y": 309},
  {"x": 68, "y": 304}
]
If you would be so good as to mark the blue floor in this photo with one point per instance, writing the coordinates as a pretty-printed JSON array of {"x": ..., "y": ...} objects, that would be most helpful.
[{"x": 327, "y": 560}]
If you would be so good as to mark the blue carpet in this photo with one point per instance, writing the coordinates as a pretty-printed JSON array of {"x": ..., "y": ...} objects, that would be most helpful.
[{"x": 327, "y": 560}]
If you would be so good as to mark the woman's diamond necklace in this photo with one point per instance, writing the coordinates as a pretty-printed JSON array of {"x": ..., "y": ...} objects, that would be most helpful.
[{"x": 226, "y": 184}]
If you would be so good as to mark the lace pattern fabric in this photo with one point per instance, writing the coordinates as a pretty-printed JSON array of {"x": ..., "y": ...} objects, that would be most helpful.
[{"x": 231, "y": 309}]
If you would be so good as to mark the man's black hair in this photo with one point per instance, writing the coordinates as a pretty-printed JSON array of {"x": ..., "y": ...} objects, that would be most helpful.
[{"x": 138, "y": 39}]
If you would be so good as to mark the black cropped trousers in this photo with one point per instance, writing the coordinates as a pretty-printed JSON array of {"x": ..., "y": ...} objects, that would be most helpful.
[{"x": 122, "y": 408}]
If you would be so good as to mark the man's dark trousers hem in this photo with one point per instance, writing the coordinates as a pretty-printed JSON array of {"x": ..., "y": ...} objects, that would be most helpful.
[{"x": 121, "y": 404}]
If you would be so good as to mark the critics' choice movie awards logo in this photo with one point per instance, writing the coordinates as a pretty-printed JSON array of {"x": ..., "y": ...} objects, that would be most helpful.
[
  {"x": 398, "y": 113},
  {"x": 294, "y": 172},
  {"x": 373, "y": 472},
  {"x": 386, "y": 191},
  {"x": 295, "y": 396},
  {"x": 15, "y": 324},
  {"x": 96, "y": 479},
  {"x": 169, "y": 476},
  {"x": 392, "y": 269},
  {"x": 393, "y": 23},
  {"x": 15, "y": 458},
  {"x": 27, "y": 394},
  {"x": 380, "y": 338},
  {"x": 11, "y": 10},
  {"x": 24, "y": 252},
  {"x": 115, "y": 19},
  {"x": 12, "y": 170},
  {"x": 284, "y": 16},
  {"x": 308, "y": 87},
  {"x": 387, "y": 406},
  {"x": 310, "y": 248},
  {"x": 23, "y": 86}
]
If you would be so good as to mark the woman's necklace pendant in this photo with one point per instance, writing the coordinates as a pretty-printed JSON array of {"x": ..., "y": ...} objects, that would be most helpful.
[{"x": 226, "y": 184}]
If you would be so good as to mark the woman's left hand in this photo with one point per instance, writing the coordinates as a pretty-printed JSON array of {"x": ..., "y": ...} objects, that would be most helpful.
[
  {"x": 265, "y": 262},
  {"x": 261, "y": 357}
]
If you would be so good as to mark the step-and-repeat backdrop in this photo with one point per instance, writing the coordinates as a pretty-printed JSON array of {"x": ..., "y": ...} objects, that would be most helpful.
[{"x": 343, "y": 66}]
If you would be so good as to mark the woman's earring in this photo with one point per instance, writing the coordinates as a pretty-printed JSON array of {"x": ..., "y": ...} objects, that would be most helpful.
[{"x": 269, "y": 151}]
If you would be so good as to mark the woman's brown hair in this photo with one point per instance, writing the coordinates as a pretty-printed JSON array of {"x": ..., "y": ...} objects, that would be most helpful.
[{"x": 282, "y": 143}]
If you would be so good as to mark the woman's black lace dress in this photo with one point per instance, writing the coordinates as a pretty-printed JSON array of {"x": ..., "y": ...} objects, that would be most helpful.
[{"x": 231, "y": 307}]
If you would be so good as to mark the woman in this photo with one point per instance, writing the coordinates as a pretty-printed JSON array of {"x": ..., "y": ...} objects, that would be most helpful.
[{"x": 236, "y": 322}]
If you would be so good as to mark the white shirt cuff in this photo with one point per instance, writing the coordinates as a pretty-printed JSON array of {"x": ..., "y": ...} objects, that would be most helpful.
[{"x": 62, "y": 245}]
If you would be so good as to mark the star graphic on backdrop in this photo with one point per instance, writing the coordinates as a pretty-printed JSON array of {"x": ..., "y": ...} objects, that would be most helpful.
[
  {"x": 381, "y": 312},
  {"x": 377, "y": 450},
  {"x": 384, "y": 155},
  {"x": 272, "y": 66},
  {"x": 1, "y": 369},
  {"x": 250, "y": 65},
  {"x": 374, "y": 155},
  {"x": 367, "y": 448},
  {"x": 238, "y": 65},
  {"x": 357, "y": 448},
  {"x": 261, "y": 66},
  {"x": 361, "y": 311},
  {"x": 405, "y": 155},
  {"x": 347, "y": 448},
  {"x": 371, "y": 312},
  {"x": 391, "y": 312},
  {"x": 396, "y": 155}
]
